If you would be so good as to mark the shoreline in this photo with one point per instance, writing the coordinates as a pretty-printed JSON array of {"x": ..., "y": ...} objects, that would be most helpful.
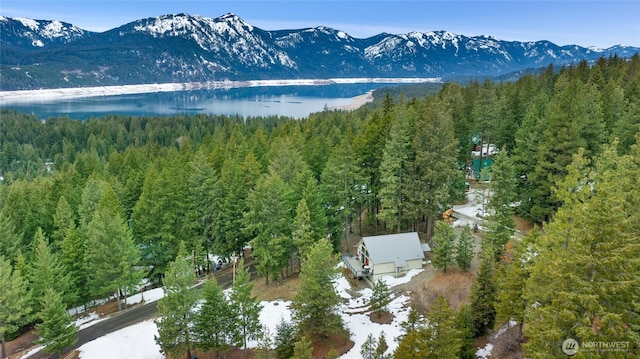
[
  {"x": 356, "y": 102},
  {"x": 21, "y": 96}
]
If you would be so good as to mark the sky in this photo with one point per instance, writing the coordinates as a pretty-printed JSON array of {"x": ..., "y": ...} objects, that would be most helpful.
[{"x": 600, "y": 24}]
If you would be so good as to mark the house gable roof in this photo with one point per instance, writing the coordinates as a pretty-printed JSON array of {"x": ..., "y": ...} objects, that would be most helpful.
[{"x": 397, "y": 248}]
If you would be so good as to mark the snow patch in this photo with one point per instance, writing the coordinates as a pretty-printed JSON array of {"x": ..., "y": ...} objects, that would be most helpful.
[
  {"x": 484, "y": 352},
  {"x": 30, "y": 23},
  {"x": 137, "y": 341}
]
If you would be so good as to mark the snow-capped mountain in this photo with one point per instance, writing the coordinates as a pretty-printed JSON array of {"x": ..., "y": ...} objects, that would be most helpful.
[
  {"x": 187, "y": 48},
  {"x": 38, "y": 33}
]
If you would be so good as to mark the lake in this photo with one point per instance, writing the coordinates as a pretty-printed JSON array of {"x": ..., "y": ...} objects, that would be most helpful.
[{"x": 292, "y": 101}]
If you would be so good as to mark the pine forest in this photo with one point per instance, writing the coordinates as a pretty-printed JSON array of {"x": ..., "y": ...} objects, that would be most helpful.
[{"x": 152, "y": 191}]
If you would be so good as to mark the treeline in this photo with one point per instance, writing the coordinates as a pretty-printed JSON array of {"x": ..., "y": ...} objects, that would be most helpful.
[{"x": 219, "y": 183}]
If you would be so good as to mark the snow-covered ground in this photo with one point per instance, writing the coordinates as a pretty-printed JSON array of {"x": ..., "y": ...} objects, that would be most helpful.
[
  {"x": 115, "y": 351},
  {"x": 10, "y": 97},
  {"x": 137, "y": 341},
  {"x": 472, "y": 211}
]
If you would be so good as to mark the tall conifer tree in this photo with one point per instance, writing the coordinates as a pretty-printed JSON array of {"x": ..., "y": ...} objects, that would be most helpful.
[
  {"x": 176, "y": 310},
  {"x": 314, "y": 306},
  {"x": 14, "y": 304},
  {"x": 245, "y": 307},
  {"x": 393, "y": 168},
  {"x": 57, "y": 330}
]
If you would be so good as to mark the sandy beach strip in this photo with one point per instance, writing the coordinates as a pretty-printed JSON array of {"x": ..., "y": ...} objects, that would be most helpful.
[
  {"x": 356, "y": 102},
  {"x": 8, "y": 97}
]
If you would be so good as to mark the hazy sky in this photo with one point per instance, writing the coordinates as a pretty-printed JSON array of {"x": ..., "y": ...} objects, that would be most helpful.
[{"x": 585, "y": 23}]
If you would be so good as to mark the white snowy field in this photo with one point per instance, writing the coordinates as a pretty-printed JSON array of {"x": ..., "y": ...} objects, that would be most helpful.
[{"x": 13, "y": 97}]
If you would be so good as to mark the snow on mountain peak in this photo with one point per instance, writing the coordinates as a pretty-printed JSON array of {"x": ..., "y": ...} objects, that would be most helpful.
[
  {"x": 30, "y": 23},
  {"x": 235, "y": 21},
  {"x": 41, "y": 32}
]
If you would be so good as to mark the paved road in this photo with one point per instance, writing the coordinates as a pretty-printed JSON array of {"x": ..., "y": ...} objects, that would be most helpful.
[{"x": 138, "y": 314}]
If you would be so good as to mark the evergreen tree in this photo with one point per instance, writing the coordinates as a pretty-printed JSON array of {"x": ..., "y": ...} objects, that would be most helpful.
[
  {"x": 342, "y": 184},
  {"x": 213, "y": 325},
  {"x": 158, "y": 220},
  {"x": 302, "y": 235},
  {"x": 176, "y": 310},
  {"x": 288, "y": 164},
  {"x": 560, "y": 140},
  {"x": 499, "y": 223},
  {"x": 382, "y": 346},
  {"x": 464, "y": 323},
  {"x": 444, "y": 248},
  {"x": 368, "y": 146},
  {"x": 380, "y": 297},
  {"x": 374, "y": 349},
  {"x": 464, "y": 249},
  {"x": 485, "y": 110},
  {"x": 628, "y": 125},
  {"x": 115, "y": 272},
  {"x": 269, "y": 221},
  {"x": 204, "y": 198},
  {"x": 14, "y": 303},
  {"x": 57, "y": 330},
  {"x": 414, "y": 322},
  {"x": 62, "y": 219},
  {"x": 440, "y": 338},
  {"x": 245, "y": 307},
  {"x": 265, "y": 345},
  {"x": 412, "y": 346},
  {"x": 314, "y": 306},
  {"x": 434, "y": 169},
  {"x": 92, "y": 193},
  {"x": 303, "y": 349},
  {"x": 72, "y": 253},
  {"x": 368, "y": 348},
  {"x": 285, "y": 339},
  {"x": 313, "y": 196},
  {"x": 528, "y": 141},
  {"x": 26, "y": 205},
  {"x": 47, "y": 270},
  {"x": 442, "y": 335},
  {"x": 483, "y": 295},
  {"x": 10, "y": 239},
  {"x": 512, "y": 276},
  {"x": 228, "y": 209},
  {"x": 397, "y": 152}
]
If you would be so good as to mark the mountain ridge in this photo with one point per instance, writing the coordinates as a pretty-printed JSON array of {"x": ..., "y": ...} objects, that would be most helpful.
[{"x": 192, "y": 48}]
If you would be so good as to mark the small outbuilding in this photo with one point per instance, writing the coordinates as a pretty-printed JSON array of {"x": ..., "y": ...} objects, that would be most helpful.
[{"x": 387, "y": 255}]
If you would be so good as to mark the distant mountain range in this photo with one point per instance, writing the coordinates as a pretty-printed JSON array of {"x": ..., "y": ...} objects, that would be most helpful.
[{"x": 184, "y": 48}]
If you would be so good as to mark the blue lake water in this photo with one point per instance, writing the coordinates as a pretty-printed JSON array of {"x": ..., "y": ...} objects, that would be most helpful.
[{"x": 292, "y": 101}]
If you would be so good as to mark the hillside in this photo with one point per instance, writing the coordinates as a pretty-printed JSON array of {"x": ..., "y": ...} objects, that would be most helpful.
[{"x": 185, "y": 48}]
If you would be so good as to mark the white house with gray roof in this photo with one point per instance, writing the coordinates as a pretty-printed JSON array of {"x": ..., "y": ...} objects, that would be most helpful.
[{"x": 391, "y": 254}]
